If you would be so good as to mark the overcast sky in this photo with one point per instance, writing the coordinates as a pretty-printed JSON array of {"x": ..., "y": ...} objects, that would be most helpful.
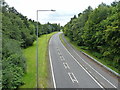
[{"x": 65, "y": 9}]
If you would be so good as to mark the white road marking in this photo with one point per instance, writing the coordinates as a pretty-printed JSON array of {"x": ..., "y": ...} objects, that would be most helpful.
[
  {"x": 102, "y": 83},
  {"x": 89, "y": 72},
  {"x": 59, "y": 53},
  {"x": 83, "y": 67},
  {"x": 72, "y": 77},
  {"x": 62, "y": 58},
  {"x": 52, "y": 68},
  {"x": 58, "y": 49},
  {"x": 96, "y": 71},
  {"x": 96, "y": 78},
  {"x": 66, "y": 65}
]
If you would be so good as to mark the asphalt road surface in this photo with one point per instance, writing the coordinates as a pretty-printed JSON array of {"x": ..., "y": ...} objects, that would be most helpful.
[{"x": 71, "y": 69}]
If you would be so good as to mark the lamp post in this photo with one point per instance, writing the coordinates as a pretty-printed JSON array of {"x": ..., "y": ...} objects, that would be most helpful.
[{"x": 37, "y": 46}]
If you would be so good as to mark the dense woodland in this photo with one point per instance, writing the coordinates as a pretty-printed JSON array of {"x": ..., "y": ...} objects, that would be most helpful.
[
  {"x": 98, "y": 30},
  {"x": 18, "y": 32}
]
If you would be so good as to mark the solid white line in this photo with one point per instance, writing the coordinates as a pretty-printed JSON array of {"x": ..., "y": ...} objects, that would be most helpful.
[
  {"x": 102, "y": 83},
  {"x": 74, "y": 78},
  {"x": 52, "y": 68},
  {"x": 82, "y": 67},
  {"x": 96, "y": 71}
]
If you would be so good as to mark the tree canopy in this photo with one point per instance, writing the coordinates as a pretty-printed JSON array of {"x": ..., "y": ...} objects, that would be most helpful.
[
  {"x": 18, "y": 32},
  {"x": 98, "y": 30}
]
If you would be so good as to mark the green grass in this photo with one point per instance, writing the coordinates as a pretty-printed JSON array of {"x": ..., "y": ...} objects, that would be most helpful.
[
  {"x": 91, "y": 53},
  {"x": 30, "y": 53}
]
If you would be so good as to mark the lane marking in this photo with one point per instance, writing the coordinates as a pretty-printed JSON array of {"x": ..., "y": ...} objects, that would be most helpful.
[
  {"x": 62, "y": 58},
  {"x": 58, "y": 49},
  {"x": 89, "y": 72},
  {"x": 102, "y": 83},
  {"x": 96, "y": 77},
  {"x": 53, "y": 77},
  {"x": 96, "y": 71},
  {"x": 72, "y": 77},
  {"x": 66, "y": 65},
  {"x": 83, "y": 67},
  {"x": 59, "y": 53}
]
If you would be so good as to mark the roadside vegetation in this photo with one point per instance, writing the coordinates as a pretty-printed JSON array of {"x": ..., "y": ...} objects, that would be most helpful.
[
  {"x": 89, "y": 52},
  {"x": 97, "y": 32},
  {"x": 18, "y": 33},
  {"x": 29, "y": 78}
]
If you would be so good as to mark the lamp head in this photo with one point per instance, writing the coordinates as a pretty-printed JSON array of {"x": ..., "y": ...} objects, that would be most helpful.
[{"x": 53, "y": 10}]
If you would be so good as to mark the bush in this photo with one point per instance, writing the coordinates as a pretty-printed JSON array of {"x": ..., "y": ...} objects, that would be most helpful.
[{"x": 13, "y": 64}]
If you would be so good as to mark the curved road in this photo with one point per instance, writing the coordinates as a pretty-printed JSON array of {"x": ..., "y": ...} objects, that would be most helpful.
[{"x": 70, "y": 69}]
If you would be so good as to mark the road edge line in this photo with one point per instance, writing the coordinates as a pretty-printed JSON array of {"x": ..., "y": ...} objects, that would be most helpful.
[
  {"x": 53, "y": 77},
  {"x": 109, "y": 69},
  {"x": 84, "y": 68},
  {"x": 96, "y": 71},
  {"x": 104, "y": 66}
]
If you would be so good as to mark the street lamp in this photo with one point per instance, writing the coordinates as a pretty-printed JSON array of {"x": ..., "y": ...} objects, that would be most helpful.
[{"x": 37, "y": 46}]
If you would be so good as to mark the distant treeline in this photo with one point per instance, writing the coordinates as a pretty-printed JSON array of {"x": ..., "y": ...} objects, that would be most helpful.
[
  {"x": 98, "y": 30},
  {"x": 18, "y": 32}
]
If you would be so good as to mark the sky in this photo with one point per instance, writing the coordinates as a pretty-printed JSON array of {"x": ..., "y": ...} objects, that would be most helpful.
[{"x": 65, "y": 9}]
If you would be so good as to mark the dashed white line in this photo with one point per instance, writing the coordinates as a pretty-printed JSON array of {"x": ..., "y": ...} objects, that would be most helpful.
[
  {"x": 66, "y": 65},
  {"x": 83, "y": 68},
  {"x": 72, "y": 77},
  {"x": 96, "y": 71},
  {"x": 59, "y": 53},
  {"x": 62, "y": 58},
  {"x": 89, "y": 72}
]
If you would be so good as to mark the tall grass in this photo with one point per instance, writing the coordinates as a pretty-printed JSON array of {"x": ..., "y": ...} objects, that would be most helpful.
[{"x": 30, "y": 55}]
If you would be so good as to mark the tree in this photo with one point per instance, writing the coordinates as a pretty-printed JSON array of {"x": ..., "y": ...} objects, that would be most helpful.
[
  {"x": 18, "y": 32},
  {"x": 98, "y": 30}
]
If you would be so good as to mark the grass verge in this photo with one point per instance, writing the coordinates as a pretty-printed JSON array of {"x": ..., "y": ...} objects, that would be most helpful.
[
  {"x": 91, "y": 53},
  {"x": 30, "y": 54}
]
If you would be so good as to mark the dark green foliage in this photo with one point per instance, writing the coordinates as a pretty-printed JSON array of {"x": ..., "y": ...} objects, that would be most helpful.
[
  {"x": 48, "y": 28},
  {"x": 13, "y": 64},
  {"x": 99, "y": 31},
  {"x": 18, "y": 32}
]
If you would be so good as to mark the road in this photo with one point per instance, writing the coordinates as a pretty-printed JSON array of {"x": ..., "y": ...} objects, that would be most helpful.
[{"x": 71, "y": 69}]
